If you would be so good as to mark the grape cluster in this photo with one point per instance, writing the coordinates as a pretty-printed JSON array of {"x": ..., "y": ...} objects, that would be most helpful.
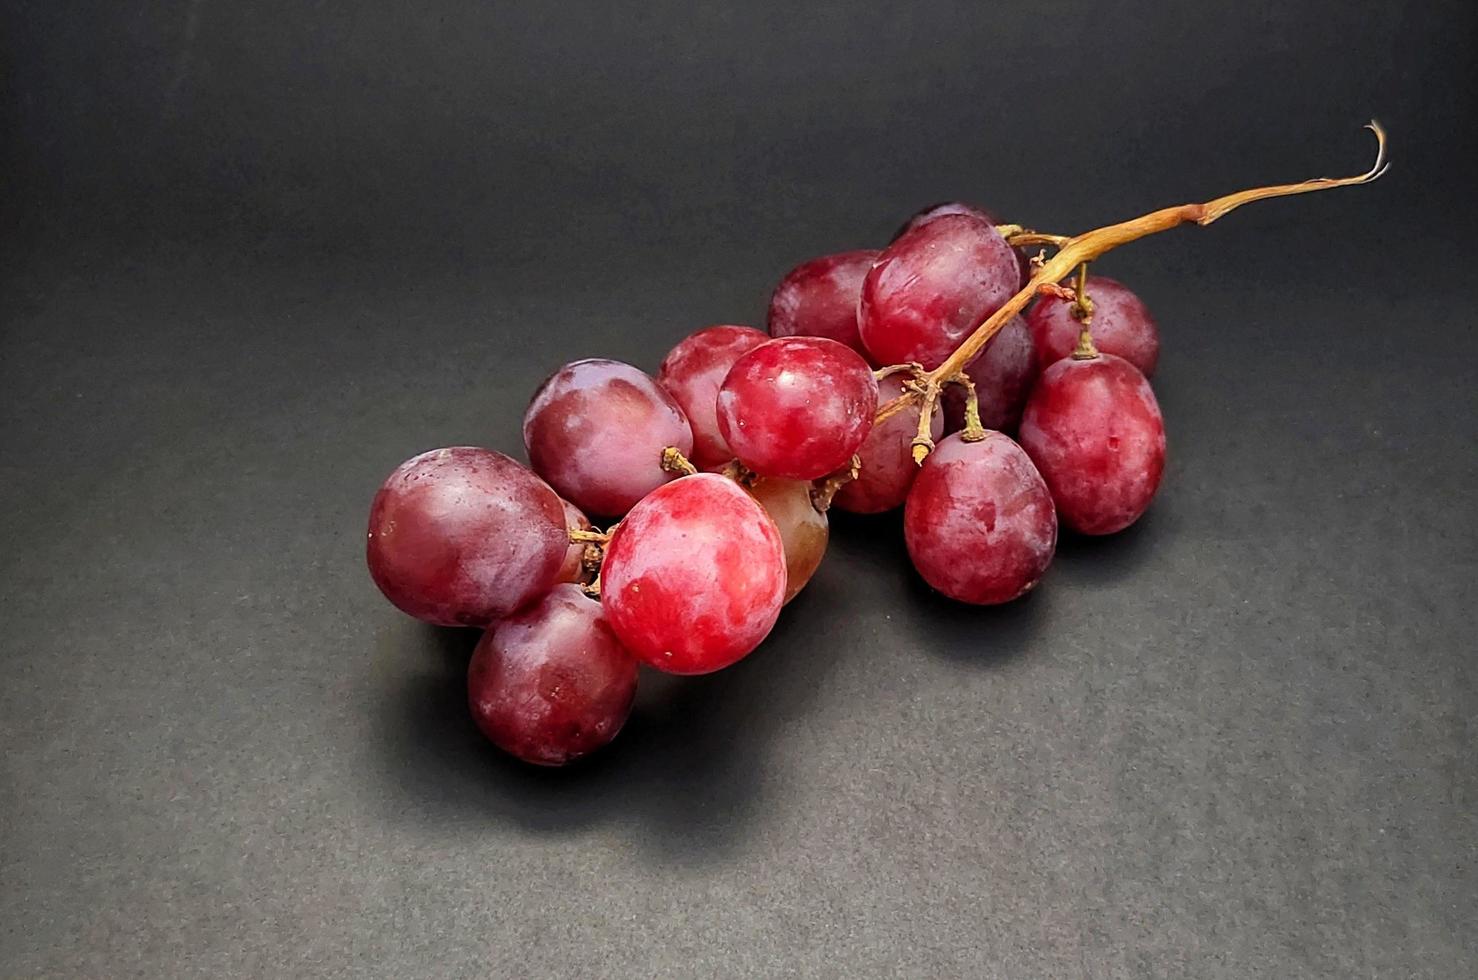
[
  {"x": 718, "y": 474},
  {"x": 907, "y": 377}
]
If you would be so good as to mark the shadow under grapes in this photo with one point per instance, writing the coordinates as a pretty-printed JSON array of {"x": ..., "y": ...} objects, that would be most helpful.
[
  {"x": 1101, "y": 559},
  {"x": 980, "y": 635},
  {"x": 687, "y": 774}
]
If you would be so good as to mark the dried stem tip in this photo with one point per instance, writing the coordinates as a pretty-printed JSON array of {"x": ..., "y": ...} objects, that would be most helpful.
[{"x": 673, "y": 461}]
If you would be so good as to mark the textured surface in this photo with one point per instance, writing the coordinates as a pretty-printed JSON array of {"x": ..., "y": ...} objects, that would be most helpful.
[{"x": 257, "y": 254}]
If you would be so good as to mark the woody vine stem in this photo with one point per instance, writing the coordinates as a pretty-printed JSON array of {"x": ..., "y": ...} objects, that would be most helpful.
[{"x": 1074, "y": 253}]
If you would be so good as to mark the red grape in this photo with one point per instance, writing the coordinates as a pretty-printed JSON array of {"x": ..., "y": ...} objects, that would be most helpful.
[
  {"x": 463, "y": 536},
  {"x": 819, "y": 298},
  {"x": 1095, "y": 431},
  {"x": 804, "y": 530},
  {"x": 1003, "y": 374},
  {"x": 596, "y": 430},
  {"x": 573, "y": 569},
  {"x": 694, "y": 577},
  {"x": 932, "y": 287},
  {"x": 1023, "y": 255},
  {"x": 552, "y": 683},
  {"x": 1122, "y": 325},
  {"x": 692, "y": 371},
  {"x": 979, "y": 523},
  {"x": 888, "y": 469},
  {"x": 797, "y": 407}
]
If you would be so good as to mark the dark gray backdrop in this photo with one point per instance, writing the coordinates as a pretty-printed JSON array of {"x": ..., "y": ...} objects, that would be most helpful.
[{"x": 257, "y": 253}]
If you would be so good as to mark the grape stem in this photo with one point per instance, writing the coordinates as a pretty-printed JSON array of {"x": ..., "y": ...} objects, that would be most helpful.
[
  {"x": 1028, "y": 237},
  {"x": 1079, "y": 249},
  {"x": 1082, "y": 311},
  {"x": 974, "y": 429},
  {"x": 826, "y": 488},
  {"x": 923, "y": 443}
]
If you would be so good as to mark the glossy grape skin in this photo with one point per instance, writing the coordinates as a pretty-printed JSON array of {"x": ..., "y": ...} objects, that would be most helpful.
[
  {"x": 979, "y": 523},
  {"x": 931, "y": 288},
  {"x": 552, "y": 683},
  {"x": 819, "y": 298},
  {"x": 692, "y": 371},
  {"x": 1003, "y": 374},
  {"x": 804, "y": 530},
  {"x": 1095, "y": 431},
  {"x": 573, "y": 569},
  {"x": 888, "y": 469},
  {"x": 797, "y": 407},
  {"x": 596, "y": 430},
  {"x": 1023, "y": 254},
  {"x": 1122, "y": 325},
  {"x": 463, "y": 536},
  {"x": 694, "y": 577}
]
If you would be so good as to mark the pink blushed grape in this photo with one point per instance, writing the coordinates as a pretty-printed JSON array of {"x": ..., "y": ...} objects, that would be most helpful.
[
  {"x": 1023, "y": 255},
  {"x": 797, "y": 407},
  {"x": 596, "y": 430},
  {"x": 979, "y": 523},
  {"x": 552, "y": 683},
  {"x": 819, "y": 298},
  {"x": 692, "y": 372},
  {"x": 694, "y": 577},
  {"x": 932, "y": 287},
  {"x": 463, "y": 536},
  {"x": 1095, "y": 431}
]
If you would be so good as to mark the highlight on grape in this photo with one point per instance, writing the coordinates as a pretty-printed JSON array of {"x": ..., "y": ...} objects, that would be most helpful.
[{"x": 971, "y": 372}]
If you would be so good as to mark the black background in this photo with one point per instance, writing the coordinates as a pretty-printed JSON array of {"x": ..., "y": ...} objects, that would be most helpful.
[{"x": 257, "y": 253}]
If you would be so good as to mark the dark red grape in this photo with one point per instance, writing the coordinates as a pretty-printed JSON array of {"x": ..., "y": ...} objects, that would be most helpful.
[
  {"x": 804, "y": 530},
  {"x": 596, "y": 430},
  {"x": 552, "y": 683},
  {"x": 797, "y": 407},
  {"x": 888, "y": 469},
  {"x": 692, "y": 372},
  {"x": 932, "y": 287},
  {"x": 1023, "y": 255},
  {"x": 1003, "y": 374},
  {"x": 979, "y": 522},
  {"x": 463, "y": 536},
  {"x": 1122, "y": 325},
  {"x": 573, "y": 569},
  {"x": 1095, "y": 431},
  {"x": 694, "y": 577},
  {"x": 819, "y": 298}
]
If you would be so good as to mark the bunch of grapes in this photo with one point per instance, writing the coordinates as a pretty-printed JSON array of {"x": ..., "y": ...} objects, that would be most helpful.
[{"x": 991, "y": 392}]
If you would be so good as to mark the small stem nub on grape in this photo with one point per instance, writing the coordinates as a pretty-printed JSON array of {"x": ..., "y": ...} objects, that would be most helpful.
[
  {"x": 826, "y": 488},
  {"x": 1082, "y": 311},
  {"x": 594, "y": 554},
  {"x": 739, "y": 473},
  {"x": 673, "y": 461}
]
